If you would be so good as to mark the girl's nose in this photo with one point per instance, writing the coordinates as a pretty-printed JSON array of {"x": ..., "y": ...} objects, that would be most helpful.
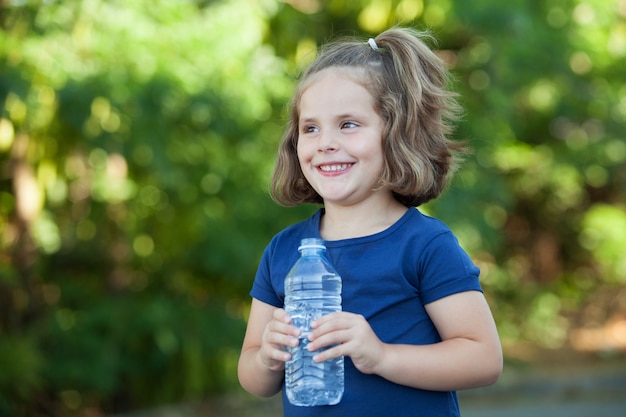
[{"x": 327, "y": 143}]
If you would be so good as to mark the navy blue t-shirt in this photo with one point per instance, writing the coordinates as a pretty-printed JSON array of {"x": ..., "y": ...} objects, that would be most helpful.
[{"x": 387, "y": 277}]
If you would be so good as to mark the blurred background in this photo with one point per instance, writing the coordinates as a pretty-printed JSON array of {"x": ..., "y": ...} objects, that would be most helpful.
[{"x": 137, "y": 138}]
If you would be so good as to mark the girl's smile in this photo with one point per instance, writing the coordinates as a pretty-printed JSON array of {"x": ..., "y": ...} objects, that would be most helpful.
[{"x": 334, "y": 168}]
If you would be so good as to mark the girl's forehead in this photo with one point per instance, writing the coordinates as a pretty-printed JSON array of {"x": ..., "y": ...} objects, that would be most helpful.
[{"x": 354, "y": 74}]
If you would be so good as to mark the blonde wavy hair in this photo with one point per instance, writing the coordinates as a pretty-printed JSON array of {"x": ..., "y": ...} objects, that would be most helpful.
[{"x": 409, "y": 84}]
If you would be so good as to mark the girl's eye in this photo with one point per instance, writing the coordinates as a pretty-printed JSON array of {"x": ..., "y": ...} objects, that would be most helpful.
[
  {"x": 348, "y": 125},
  {"x": 309, "y": 129}
]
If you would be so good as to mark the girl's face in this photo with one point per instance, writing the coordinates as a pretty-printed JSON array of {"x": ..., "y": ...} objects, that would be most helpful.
[{"x": 340, "y": 139}]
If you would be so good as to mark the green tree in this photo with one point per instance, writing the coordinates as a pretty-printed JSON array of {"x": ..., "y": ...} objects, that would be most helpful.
[{"x": 136, "y": 140}]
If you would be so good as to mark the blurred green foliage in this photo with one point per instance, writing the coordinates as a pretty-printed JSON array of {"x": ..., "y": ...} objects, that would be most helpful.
[{"x": 136, "y": 143}]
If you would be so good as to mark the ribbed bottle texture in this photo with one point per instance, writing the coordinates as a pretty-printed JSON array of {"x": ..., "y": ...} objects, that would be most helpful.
[{"x": 312, "y": 290}]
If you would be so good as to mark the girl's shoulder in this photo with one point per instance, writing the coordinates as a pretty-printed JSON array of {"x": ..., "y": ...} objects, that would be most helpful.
[
  {"x": 415, "y": 222},
  {"x": 418, "y": 217},
  {"x": 293, "y": 234}
]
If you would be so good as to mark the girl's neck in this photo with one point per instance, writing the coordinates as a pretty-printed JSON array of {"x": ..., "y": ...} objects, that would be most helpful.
[{"x": 345, "y": 222}]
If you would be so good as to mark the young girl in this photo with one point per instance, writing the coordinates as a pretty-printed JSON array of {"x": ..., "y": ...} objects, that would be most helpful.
[{"x": 368, "y": 138}]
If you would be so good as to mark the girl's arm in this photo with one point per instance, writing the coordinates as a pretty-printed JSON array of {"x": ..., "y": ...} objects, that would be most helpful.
[
  {"x": 469, "y": 355},
  {"x": 263, "y": 356}
]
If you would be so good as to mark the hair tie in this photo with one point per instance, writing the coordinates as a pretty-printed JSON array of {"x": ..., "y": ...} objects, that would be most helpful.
[{"x": 372, "y": 43}]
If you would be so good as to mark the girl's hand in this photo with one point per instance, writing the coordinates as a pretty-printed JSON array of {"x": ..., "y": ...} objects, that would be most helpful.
[
  {"x": 278, "y": 334},
  {"x": 353, "y": 336}
]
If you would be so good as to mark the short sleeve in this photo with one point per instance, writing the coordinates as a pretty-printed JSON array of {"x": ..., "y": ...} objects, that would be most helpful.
[
  {"x": 262, "y": 288},
  {"x": 445, "y": 269}
]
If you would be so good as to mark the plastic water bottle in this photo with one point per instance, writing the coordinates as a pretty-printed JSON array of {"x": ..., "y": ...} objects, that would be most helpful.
[{"x": 312, "y": 290}]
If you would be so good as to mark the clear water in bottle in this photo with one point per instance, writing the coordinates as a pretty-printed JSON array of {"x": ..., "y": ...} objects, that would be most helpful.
[{"x": 312, "y": 289}]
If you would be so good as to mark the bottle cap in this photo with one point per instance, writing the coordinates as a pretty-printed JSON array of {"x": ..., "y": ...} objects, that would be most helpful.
[{"x": 311, "y": 243}]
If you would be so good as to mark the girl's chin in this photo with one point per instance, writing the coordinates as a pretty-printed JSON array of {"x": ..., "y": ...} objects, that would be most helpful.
[{"x": 338, "y": 199}]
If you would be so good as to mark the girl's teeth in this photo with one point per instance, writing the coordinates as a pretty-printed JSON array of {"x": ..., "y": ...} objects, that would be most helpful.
[{"x": 333, "y": 168}]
